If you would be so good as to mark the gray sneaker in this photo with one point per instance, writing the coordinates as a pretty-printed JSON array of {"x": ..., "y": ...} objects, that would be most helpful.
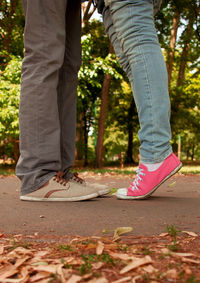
[
  {"x": 101, "y": 189},
  {"x": 59, "y": 189}
]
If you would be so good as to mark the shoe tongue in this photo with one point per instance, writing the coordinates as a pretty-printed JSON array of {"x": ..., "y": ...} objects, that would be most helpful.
[{"x": 142, "y": 166}]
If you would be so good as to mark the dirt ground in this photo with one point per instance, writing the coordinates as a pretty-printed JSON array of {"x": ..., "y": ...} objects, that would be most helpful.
[
  {"x": 84, "y": 241},
  {"x": 176, "y": 202}
]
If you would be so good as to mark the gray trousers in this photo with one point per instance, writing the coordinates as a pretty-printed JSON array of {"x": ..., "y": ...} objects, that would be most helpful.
[{"x": 48, "y": 90}]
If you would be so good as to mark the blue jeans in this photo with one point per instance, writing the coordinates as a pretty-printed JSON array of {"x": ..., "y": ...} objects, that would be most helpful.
[{"x": 130, "y": 26}]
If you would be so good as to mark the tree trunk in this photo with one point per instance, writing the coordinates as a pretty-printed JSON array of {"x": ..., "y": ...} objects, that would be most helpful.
[
  {"x": 80, "y": 138},
  {"x": 192, "y": 155},
  {"x": 129, "y": 153},
  {"x": 16, "y": 150},
  {"x": 102, "y": 119},
  {"x": 85, "y": 140},
  {"x": 172, "y": 45},
  {"x": 185, "y": 53},
  {"x": 13, "y": 6},
  {"x": 87, "y": 12}
]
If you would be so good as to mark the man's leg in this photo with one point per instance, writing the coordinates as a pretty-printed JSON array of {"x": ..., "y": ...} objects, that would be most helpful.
[
  {"x": 44, "y": 40},
  {"x": 67, "y": 87}
]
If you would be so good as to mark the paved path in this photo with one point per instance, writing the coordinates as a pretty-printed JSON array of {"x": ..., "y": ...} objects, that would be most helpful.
[{"x": 176, "y": 202}]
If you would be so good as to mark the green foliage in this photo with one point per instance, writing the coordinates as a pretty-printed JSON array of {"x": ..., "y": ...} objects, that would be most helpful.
[
  {"x": 115, "y": 141},
  {"x": 192, "y": 279},
  {"x": 121, "y": 120},
  {"x": 173, "y": 232},
  {"x": 92, "y": 258},
  {"x": 91, "y": 77},
  {"x": 9, "y": 104},
  {"x": 65, "y": 248},
  {"x": 12, "y": 73},
  {"x": 11, "y": 30}
]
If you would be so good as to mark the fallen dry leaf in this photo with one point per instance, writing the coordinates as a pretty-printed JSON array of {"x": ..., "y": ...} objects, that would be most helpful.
[
  {"x": 182, "y": 254},
  {"x": 163, "y": 234},
  {"x": 40, "y": 254},
  {"x": 97, "y": 265},
  {"x": 188, "y": 271},
  {"x": 190, "y": 233},
  {"x": 74, "y": 279},
  {"x": 1, "y": 249},
  {"x": 124, "y": 279},
  {"x": 23, "y": 279},
  {"x": 172, "y": 185},
  {"x": 136, "y": 263},
  {"x": 100, "y": 248},
  {"x": 87, "y": 276},
  {"x": 121, "y": 230},
  {"x": 149, "y": 269},
  {"x": 165, "y": 251},
  {"x": 60, "y": 272},
  {"x": 39, "y": 263},
  {"x": 190, "y": 260},
  {"x": 172, "y": 273},
  {"x": 20, "y": 261},
  {"x": 51, "y": 268},
  {"x": 25, "y": 275},
  {"x": 38, "y": 276},
  {"x": 99, "y": 280},
  {"x": 20, "y": 251},
  {"x": 134, "y": 279},
  {"x": 121, "y": 256},
  {"x": 8, "y": 271}
]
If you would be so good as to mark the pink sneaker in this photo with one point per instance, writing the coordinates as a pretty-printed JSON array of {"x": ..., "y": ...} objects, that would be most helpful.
[{"x": 147, "y": 182}]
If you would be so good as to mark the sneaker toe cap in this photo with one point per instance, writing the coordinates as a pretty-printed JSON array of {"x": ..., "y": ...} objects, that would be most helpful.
[{"x": 122, "y": 192}]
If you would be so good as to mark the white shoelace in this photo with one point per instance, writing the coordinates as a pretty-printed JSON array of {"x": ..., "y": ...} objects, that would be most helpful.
[{"x": 135, "y": 184}]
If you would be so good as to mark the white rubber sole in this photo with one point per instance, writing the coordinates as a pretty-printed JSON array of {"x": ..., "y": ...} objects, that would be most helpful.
[
  {"x": 29, "y": 198},
  {"x": 104, "y": 192},
  {"x": 153, "y": 190}
]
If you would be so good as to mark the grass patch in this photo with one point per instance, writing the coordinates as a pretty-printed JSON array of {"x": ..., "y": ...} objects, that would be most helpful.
[
  {"x": 173, "y": 232},
  {"x": 7, "y": 171},
  {"x": 186, "y": 169},
  {"x": 86, "y": 267},
  {"x": 190, "y": 169},
  {"x": 146, "y": 251},
  {"x": 65, "y": 248},
  {"x": 192, "y": 279},
  {"x": 113, "y": 191},
  {"x": 128, "y": 171}
]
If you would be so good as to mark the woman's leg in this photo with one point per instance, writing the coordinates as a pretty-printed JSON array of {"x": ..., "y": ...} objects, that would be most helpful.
[
  {"x": 133, "y": 23},
  {"x": 130, "y": 27}
]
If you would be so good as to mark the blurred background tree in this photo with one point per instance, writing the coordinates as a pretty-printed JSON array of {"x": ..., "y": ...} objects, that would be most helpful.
[{"x": 107, "y": 122}]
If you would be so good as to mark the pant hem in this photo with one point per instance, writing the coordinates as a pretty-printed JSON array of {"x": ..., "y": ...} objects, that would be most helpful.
[
  {"x": 39, "y": 185},
  {"x": 156, "y": 160}
]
